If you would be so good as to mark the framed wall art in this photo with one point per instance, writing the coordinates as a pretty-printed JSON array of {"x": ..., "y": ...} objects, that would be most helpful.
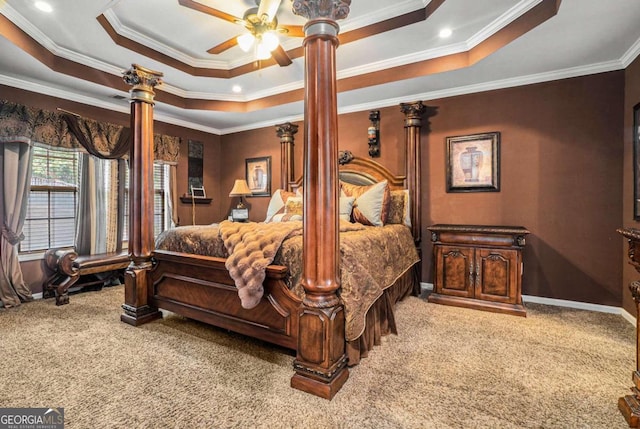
[
  {"x": 636, "y": 162},
  {"x": 473, "y": 163},
  {"x": 258, "y": 175}
]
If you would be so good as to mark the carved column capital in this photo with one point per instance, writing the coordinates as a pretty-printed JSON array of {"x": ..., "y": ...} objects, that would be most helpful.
[
  {"x": 413, "y": 113},
  {"x": 322, "y": 9},
  {"x": 286, "y": 131},
  {"x": 143, "y": 80}
]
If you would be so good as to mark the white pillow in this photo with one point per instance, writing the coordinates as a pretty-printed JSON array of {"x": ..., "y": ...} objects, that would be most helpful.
[
  {"x": 277, "y": 203},
  {"x": 371, "y": 204},
  {"x": 346, "y": 206}
]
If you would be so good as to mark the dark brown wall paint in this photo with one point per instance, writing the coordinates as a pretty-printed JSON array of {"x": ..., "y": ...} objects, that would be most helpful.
[
  {"x": 560, "y": 175},
  {"x": 631, "y": 98},
  {"x": 561, "y": 151}
]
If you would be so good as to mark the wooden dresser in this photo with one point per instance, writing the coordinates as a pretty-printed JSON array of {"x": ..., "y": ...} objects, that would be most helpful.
[{"x": 478, "y": 267}]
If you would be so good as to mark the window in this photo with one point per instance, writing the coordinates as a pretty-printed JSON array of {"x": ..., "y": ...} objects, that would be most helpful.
[
  {"x": 52, "y": 204},
  {"x": 161, "y": 211},
  {"x": 51, "y": 207}
]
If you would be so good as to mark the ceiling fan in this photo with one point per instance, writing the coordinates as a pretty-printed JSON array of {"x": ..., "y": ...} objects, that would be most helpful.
[{"x": 262, "y": 30}]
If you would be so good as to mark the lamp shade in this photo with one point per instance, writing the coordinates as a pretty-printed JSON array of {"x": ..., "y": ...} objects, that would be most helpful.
[{"x": 240, "y": 188}]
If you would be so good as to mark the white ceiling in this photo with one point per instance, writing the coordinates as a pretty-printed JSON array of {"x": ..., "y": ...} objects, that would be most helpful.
[{"x": 586, "y": 36}]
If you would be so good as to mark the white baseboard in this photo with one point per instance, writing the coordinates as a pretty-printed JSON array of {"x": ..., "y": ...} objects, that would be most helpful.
[{"x": 565, "y": 303}]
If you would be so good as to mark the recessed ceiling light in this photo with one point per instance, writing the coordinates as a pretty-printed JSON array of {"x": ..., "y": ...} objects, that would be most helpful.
[
  {"x": 43, "y": 6},
  {"x": 445, "y": 32},
  {"x": 236, "y": 88}
]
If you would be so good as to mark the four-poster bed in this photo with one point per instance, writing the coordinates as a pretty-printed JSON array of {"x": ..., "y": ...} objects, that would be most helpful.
[{"x": 201, "y": 288}]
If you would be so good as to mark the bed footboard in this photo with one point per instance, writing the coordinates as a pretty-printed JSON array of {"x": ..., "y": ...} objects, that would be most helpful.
[{"x": 199, "y": 287}]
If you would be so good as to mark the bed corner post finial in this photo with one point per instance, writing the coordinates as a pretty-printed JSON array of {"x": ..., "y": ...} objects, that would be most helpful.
[
  {"x": 136, "y": 306},
  {"x": 286, "y": 133},
  {"x": 321, "y": 364}
]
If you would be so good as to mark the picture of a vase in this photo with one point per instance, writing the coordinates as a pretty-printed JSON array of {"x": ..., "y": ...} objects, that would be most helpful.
[
  {"x": 258, "y": 178},
  {"x": 471, "y": 162}
]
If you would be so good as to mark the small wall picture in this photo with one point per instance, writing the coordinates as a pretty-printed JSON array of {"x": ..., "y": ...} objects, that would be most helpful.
[
  {"x": 258, "y": 175},
  {"x": 473, "y": 163}
]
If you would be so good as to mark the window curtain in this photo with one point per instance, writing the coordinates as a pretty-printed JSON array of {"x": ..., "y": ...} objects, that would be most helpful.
[
  {"x": 15, "y": 171},
  {"x": 102, "y": 140},
  {"x": 97, "y": 213}
]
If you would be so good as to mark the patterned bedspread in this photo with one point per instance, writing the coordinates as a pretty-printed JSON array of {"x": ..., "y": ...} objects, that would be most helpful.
[{"x": 371, "y": 259}]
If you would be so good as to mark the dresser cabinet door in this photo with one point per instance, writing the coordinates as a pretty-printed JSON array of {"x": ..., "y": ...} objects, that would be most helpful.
[
  {"x": 496, "y": 275},
  {"x": 454, "y": 271}
]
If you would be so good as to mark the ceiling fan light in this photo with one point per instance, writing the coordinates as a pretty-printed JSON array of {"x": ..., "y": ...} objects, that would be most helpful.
[
  {"x": 262, "y": 52},
  {"x": 270, "y": 40},
  {"x": 245, "y": 41}
]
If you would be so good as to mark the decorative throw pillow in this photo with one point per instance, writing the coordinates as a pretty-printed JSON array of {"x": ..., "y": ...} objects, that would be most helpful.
[
  {"x": 371, "y": 205},
  {"x": 399, "y": 208},
  {"x": 293, "y": 206},
  {"x": 277, "y": 203},
  {"x": 346, "y": 208}
]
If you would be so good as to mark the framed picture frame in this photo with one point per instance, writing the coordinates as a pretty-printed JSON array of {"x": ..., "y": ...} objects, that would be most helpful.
[
  {"x": 198, "y": 192},
  {"x": 240, "y": 215},
  {"x": 473, "y": 163},
  {"x": 636, "y": 162},
  {"x": 258, "y": 175}
]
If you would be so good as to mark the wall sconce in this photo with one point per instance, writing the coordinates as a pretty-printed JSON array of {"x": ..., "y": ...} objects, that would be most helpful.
[{"x": 373, "y": 134}]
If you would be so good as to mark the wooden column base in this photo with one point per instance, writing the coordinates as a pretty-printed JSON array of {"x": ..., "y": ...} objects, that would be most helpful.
[
  {"x": 323, "y": 389},
  {"x": 136, "y": 316},
  {"x": 137, "y": 311},
  {"x": 629, "y": 405}
]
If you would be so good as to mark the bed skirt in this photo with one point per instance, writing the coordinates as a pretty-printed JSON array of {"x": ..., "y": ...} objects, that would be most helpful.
[{"x": 380, "y": 317}]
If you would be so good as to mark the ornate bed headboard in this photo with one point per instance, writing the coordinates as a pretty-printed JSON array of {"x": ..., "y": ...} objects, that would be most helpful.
[
  {"x": 363, "y": 171},
  {"x": 357, "y": 170}
]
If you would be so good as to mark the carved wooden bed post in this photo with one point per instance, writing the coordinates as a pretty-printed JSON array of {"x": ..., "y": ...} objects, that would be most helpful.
[
  {"x": 285, "y": 132},
  {"x": 320, "y": 364},
  {"x": 136, "y": 307},
  {"x": 629, "y": 405},
  {"x": 412, "y": 123}
]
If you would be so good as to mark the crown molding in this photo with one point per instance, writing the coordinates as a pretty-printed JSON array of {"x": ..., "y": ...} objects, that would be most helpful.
[
  {"x": 631, "y": 54},
  {"x": 263, "y": 124},
  {"x": 502, "y": 21},
  {"x": 464, "y": 90}
]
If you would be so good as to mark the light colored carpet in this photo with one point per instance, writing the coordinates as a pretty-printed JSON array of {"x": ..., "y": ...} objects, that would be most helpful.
[{"x": 448, "y": 368}]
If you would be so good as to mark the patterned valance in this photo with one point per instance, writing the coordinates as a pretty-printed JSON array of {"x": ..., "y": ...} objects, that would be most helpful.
[{"x": 62, "y": 130}]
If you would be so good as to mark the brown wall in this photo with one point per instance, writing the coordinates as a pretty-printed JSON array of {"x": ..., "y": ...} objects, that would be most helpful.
[
  {"x": 561, "y": 153},
  {"x": 631, "y": 98}
]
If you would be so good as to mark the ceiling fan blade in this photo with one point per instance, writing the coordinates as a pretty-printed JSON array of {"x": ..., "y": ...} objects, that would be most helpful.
[
  {"x": 281, "y": 56},
  {"x": 227, "y": 44},
  {"x": 292, "y": 30},
  {"x": 210, "y": 11}
]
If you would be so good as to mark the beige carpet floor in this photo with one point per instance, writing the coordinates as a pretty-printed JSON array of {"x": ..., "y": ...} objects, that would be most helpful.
[{"x": 448, "y": 368}]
